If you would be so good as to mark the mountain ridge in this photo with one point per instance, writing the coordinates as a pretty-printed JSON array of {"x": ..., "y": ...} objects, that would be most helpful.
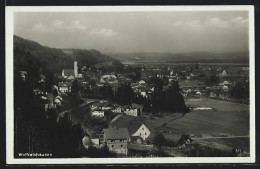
[{"x": 189, "y": 57}]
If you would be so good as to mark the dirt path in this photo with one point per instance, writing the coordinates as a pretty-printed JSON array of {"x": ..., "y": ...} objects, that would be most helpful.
[{"x": 204, "y": 138}]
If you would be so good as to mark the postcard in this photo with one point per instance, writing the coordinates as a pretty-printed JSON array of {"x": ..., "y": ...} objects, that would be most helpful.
[{"x": 130, "y": 84}]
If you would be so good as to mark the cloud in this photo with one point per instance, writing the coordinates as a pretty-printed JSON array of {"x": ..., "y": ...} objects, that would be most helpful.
[
  {"x": 217, "y": 22},
  {"x": 193, "y": 23},
  {"x": 103, "y": 32},
  {"x": 39, "y": 27},
  {"x": 239, "y": 21},
  {"x": 214, "y": 22},
  {"x": 59, "y": 25},
  {"x": 76, "y": 25}
]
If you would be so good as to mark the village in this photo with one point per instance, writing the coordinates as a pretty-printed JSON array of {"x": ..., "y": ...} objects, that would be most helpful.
[{"x": 87, "y": 96}]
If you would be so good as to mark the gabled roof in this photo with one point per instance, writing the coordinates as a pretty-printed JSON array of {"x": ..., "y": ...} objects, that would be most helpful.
[
  {"x": 130, "y": 122},
  {"x": 99, "y": 104},
  {"x": 116, "y": 133},
  {"x": 68, "y": 72},
  {"x": 66, "y": 84}
]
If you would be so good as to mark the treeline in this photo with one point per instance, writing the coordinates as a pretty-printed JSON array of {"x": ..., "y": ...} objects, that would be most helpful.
[{"x": 37, "y": 130}]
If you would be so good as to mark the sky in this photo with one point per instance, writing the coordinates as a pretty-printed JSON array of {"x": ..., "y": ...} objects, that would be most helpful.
[{"x": 124, "y": 32}]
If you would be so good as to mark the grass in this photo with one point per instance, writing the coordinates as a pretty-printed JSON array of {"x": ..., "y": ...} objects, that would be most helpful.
[{"x": 227, "y": 119}]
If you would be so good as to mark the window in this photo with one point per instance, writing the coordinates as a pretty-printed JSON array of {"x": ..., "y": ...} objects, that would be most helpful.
[
  {"x": 143, "y": 128},
  {"x": 144, "y": 133},
  {"x": 112, "y": 146},
  {"x": 140, "y": 134},
  {"x": 121, "y": 145}
]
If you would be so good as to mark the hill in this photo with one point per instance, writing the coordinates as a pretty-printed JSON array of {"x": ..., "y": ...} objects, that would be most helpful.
[
  {"x": 88, "y": 57},
  {"x": 31, "y": 56},
  {"x": 194, "y": 57}
]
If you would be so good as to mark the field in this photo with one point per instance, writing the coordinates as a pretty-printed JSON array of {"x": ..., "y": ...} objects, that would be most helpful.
[{"x": 227, "y": 124}]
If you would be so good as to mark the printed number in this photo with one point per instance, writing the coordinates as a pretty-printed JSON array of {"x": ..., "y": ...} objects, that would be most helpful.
[{"x": 238, "y": 150}]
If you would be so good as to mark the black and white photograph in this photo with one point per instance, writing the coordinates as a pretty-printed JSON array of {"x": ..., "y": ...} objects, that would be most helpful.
[{"x": 158, "y": 84}]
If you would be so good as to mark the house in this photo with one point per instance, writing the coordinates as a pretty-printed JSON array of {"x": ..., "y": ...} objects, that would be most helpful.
[
  {"x": 134, "y": 110},
  {"x": 111, "y": 79},
  {"x": 212, "y": 94},
  {"x": 98, "y": 113},
  {"x": 100, "y": 105},
  {"x": 143, "y": 93},
  {"x": 65, "y": 87},
  {"x": 50, "y": 100},
  {"x": 131, "y": 111},
  {"x": 118, "y": 110},
  {"x": 139, "y": 130},
  {"x": 23, "y": 74},
  {"x": 223, "y": 73},
  {"x": 58, "y": 101},
  {"x": 141, "y": 82},
  {"x": 225, "y": 88},
  {"x": 37, "y": 91},
  {"x": 116, "y": 139},
  {"x": 68, "y": 73},
  {"x": 135, "y": 126}
]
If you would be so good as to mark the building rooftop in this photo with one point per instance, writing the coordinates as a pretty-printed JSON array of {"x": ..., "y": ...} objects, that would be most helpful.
[
  {"x": 132, "y": 123},
  {"x": 68, "y": 72},
  {"x": 65, "y": 84},
  {"x": 116, "y": 133}
]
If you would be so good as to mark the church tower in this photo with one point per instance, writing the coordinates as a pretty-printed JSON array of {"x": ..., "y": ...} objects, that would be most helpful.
[{"x": 76, "y": 69}]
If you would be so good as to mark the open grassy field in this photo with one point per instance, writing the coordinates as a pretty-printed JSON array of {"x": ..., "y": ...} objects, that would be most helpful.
[{"x": 226, "y": 120}]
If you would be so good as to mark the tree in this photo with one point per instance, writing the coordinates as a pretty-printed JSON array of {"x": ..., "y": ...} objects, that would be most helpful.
[
  {"x": 124, "y": 94},
  {"x": 159, "y": 139},
  {"x": 157, "y": 82},
  {"x": 212, "y": 80},
  {"x": 240, "y": 90},
  {"x": 107, "y": 92},
  {"x": 75, "y": 86},
  {"x": 170, "y": 100}
]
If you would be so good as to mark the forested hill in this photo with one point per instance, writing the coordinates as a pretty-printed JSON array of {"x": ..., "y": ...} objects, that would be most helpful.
[
  {"x": 88, "y": 57},
  {"x": 31, "y": 56},
  {"x": 193, "y": 57}
]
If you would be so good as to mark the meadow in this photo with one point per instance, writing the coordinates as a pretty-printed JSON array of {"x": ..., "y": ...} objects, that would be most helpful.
[{"x": 228, "y": 123}]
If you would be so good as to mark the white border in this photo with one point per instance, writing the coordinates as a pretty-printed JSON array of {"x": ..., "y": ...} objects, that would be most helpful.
[{"x": 9, "y": 85}]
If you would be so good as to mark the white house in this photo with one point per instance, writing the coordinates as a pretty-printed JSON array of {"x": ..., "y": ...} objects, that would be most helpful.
[
  {"x": 70, "y": 73},
  {"x": 65, "y": 87},
  {"x": 117, "y": 110},
  {"x": 134, "y": 125},
  {"x": 95, "y": 141},
  {"x": 98, "y": 113},
  {"x": 141, "y": 82},
  {"x": 143, "y": 93},
  {"x": 142, "y": 132},
  {"x": 223, "y": 74},
  {"x": 131, "y": 111},
  {"x": 23, "y": 74}
]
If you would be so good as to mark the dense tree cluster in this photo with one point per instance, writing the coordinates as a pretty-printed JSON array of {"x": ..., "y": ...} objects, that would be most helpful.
[
  {"x": 212, "y": 80},
  {"x": 240, "y": 90},
  {"x": 37, "y": 131},
  {"x": 124, "y": 94},
  {"x": 169, "y": 100}
]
